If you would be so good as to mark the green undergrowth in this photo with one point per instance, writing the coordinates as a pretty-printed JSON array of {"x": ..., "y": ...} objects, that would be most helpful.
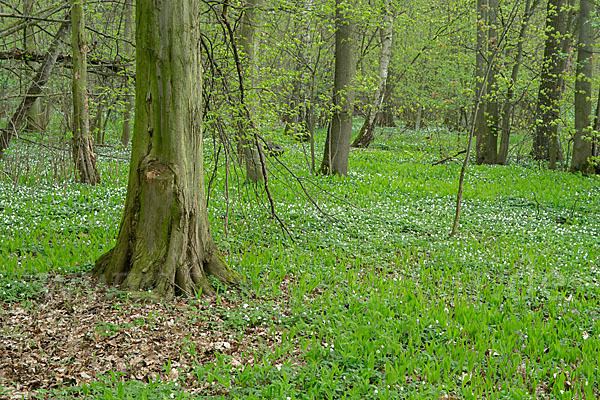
[{"x": 382, "y": 303}]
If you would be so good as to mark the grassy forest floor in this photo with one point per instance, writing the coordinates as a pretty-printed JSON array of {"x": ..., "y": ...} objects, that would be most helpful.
[{"x": 371, "y": 299}]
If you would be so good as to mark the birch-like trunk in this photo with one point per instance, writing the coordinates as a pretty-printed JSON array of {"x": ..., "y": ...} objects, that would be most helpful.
[{"x": 367, "y": 132}]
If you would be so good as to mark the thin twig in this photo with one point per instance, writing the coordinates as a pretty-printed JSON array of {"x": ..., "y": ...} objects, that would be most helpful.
[
  {"x": 463, "y": 170},
  {"x": 443, "y": 160}
]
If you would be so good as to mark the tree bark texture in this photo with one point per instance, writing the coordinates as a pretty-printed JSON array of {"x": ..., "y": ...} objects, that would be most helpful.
[
  {"x": 481, "y": 127},
  {"x": 299, "y": 119},
  {"x": 249, "y": 150},
  {"x": 37, "y": 119},
  {"x": 19, "y": 118},
  {"x": 564, "y": 66},
  {"x": 596, "y": 139},
  {"x": 337, "y": 146},
  {"x": 549, "y": 92},
  {"x": 83, "y": 148},
  {"x": 491, "y": 139},
  {"x": 127, "y": 32},
  {"x": 385, "y": 118},
  {"x": 582, "y": 141},
  {"x": 367, "y": 132},
  {"x": 509, "y": 106},
  {"x": 164, "y": 243}
]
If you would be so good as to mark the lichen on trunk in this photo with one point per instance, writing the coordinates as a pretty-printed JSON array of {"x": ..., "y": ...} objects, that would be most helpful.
[{"x": 164, "y": 243}]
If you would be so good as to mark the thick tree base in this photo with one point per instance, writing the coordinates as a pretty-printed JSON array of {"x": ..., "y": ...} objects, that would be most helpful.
[
  {"x": 164, "y": 244},
  {"x": 185, "y": 280}
]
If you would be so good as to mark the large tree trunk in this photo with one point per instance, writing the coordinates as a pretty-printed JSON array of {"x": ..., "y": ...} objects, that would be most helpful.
[
  {"x": 337, "y": 146},
  {"x": 164, "y": 243},
  {"x": 367, "y": 132},
  {"x": 83, "y": 151},
  {"x": 550, "y": 90},
  {"x": 19, "y": 118},
  {"x": 481, "y": 126},
  {"x": 509, "y": 106},
  {"x": 582, "y": 143}
]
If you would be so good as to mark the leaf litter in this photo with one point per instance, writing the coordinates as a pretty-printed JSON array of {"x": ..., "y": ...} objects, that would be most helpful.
[{"x": 78, "y": 331}]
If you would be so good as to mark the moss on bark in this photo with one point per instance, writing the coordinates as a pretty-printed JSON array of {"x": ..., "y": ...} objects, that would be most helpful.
[{"x": 164, "y": 243}]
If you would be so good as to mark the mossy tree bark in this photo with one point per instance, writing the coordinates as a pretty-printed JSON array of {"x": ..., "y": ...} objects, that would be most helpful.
[
  {"x": 164, "y": 243},
  {"x": 582, "y": 140},
  {"x": 548, "y": 108},
  {"x": 337, "y": 144},
  {"x": 83, "y": 152}
]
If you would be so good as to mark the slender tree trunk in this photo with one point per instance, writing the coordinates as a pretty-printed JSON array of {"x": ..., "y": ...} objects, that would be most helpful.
[
  {"x": 367, "y": 132},
  {"x": 337, "y": 146},
  {"x": 307, "y": 113},
  {"x": 595, "y": 139},
  {"x": 19, "y": 118},
  {"x": 491, "y": 140},
  {"x": 128, "y": 33},
  {"x": 385, "y": 118},
  {"x": 164, "y": 243},
  {"x": 564, "y": 66},
  {"x": 83, "y": 148},
  {"x": 582, "y": 141},
  {"x": 298, "y": 119},
  {"x": 250, "y": 152},
  {"x": 96, "y": 123},
  {"x": 508, "y": 109},
  {"x": 36, "y": 120},
  {"x": 481, "y": 126},
  {"x": 549, "y": 92},
  {"x": 418, "y": 117}
]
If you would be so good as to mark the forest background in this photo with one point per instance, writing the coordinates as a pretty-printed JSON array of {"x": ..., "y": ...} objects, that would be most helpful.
[{"x": 334, "y": 138}]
